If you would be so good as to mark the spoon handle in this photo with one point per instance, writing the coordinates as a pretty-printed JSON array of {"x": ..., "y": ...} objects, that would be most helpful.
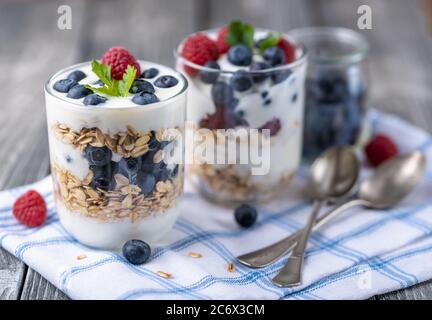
[
  {"x": 269, "y": 254},
  {"x": 290, "y": 274}
]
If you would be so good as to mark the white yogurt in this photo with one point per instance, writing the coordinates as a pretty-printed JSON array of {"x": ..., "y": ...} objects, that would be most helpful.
[{"x": 112, "y": 117}]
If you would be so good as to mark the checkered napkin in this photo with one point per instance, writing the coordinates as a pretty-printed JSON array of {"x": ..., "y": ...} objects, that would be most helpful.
[{"x": 359, "y": 254}]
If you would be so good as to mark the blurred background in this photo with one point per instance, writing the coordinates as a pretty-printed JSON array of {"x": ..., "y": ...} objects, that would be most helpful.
[{"x": 33, "y": 48}]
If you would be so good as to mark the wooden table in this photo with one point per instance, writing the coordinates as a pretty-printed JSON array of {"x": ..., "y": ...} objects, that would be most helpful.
[{"x": 32, "y": 48}]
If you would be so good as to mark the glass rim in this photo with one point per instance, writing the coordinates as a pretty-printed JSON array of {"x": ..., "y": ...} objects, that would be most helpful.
[
  {"x": 78, "y": 104},
  {"x": 297, "y": 62},
  {"x": 340, "y": 34}
]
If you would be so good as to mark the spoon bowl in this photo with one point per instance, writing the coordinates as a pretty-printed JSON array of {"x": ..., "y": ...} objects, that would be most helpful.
[
  {"x": 333, "y": 174},
  {"x": 392, "y": 181}
]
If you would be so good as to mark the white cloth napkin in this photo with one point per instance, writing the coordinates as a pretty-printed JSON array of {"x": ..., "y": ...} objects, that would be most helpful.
[{"x": 359, "y": 254}]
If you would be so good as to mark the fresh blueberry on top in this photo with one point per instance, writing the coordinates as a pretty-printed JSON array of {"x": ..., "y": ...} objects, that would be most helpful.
[
  {"x": 136, "y": 251},
  {"x": 245, "y": 215},
  {"x": 274, "y": 55},
  {"x": 76, "y": 75},
  {"x": 240, "y": 55},
  {"x": 222, "y": 94},
  {"x": 149, "y": 73},
  {"x": 98, "y": 156},
  {"x": 165, "y": 82},
  {"x": 210, "y": 76},
  {"x": 147, "y": 182},
  {"x": 259, "y": 66},
  {"x": 94, "y": 99},
  {"x": 145, "y": 98},
  {"x": 141, "y": 86},
  {"x": 280, "y": 76},
  {"x": 241, "y": 81},
  {"x": 79, "y": 91},
  {"x": 64, "y": 85}
]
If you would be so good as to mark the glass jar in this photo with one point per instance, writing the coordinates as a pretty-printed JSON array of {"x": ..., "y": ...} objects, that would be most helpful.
[
  {"x": 265, "y": 117},
  {"x": 117, "y": 167},
  {"x": 336, "y": 88}
]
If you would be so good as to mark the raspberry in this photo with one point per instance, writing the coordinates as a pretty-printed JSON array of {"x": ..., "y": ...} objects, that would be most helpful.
[
  {"x": 30, "y": 209},
  {"x": 199, "y": 49},
  {"x": 273, "y": 125},
  {"x": 288, "y": 48},
  {"x": 221, "y": 43},
  {"x": 119, "y": 58},
  {"x": 380, "y": 149}
]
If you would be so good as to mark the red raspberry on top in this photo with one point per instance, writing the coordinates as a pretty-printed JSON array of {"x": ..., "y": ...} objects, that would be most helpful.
[
  {"x": 380, "y": 149},
  {"x": 199, "y": 49},
  {"x": 288, "y": 48},
  {"x": 119, "y": 58},
  {"x": 30, "y": 209},
  {"x": 221, "y": 43}
]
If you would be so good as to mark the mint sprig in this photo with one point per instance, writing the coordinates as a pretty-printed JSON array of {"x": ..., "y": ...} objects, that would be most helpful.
[
  {"x": 112, "y": 87},
  {"x": 271, "y": 40},
  {"x": 240, "y": 33}
]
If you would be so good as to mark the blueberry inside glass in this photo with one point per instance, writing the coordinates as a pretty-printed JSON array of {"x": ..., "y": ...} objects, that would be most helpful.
[{"x": 336, "y": 88}]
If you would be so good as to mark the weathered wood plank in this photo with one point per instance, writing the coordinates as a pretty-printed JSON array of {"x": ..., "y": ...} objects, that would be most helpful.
[{"x": 36, "y": 51}]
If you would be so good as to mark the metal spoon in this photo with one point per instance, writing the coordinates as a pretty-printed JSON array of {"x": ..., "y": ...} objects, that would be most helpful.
[
  {"x": 390, "y": 183},
  {"x": 332, "y": 175},
  {"x": 405, "y": 180}
]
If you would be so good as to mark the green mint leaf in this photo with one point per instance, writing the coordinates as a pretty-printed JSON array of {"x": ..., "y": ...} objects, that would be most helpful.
[
  {"x": 248, "y": 35},
  {"x": 240, "y": 33},
  {"x": 103, "y": 71},
  {"x": 128, "y": 78},
  {"x": 235, "y": 32},
  {"x": 271, "y": 40},
  {"x": 104, "y": 90}
]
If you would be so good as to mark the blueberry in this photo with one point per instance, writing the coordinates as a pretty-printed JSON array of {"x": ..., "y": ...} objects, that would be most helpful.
[
  {"x": 136, "y": 251},
  {"x": 153, "y": 144},
  {"x": 141, "y": 86},
  {"x": 129, "y": 167},
  {"x": 267, "y": 102},
  {"x": 161, "y": 173},
  {"x": 174, "y": 172},
  {"x": 274, "y": 55},
  {"x": 259, "y": 66},
  {"x": 245, "y": 215},
  {"x": 103, "y": 176},
  {"x": 280, "y": 76},
  {"x": 147, "y": 182},
  {"x": 68, "y": 159},
  {"x": 240, "y": 55},
  {"x": 64, "y": 85},
  {"x": 76, "y": 75},
  {"x": 165, "y": 82},
  {"x": 145, "y": 98},
  {"x": 150, "y": 73},
  {"x": 94, "y": 99},
  {"x": 241, "y": 81},
  {"x": 264, "y": 94},
  {"x": 210, "y": 76},
  {"x": 79, "y": 91},
  {"x": 98, "y": 156},
  {"x": 222, "y": 94}
]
